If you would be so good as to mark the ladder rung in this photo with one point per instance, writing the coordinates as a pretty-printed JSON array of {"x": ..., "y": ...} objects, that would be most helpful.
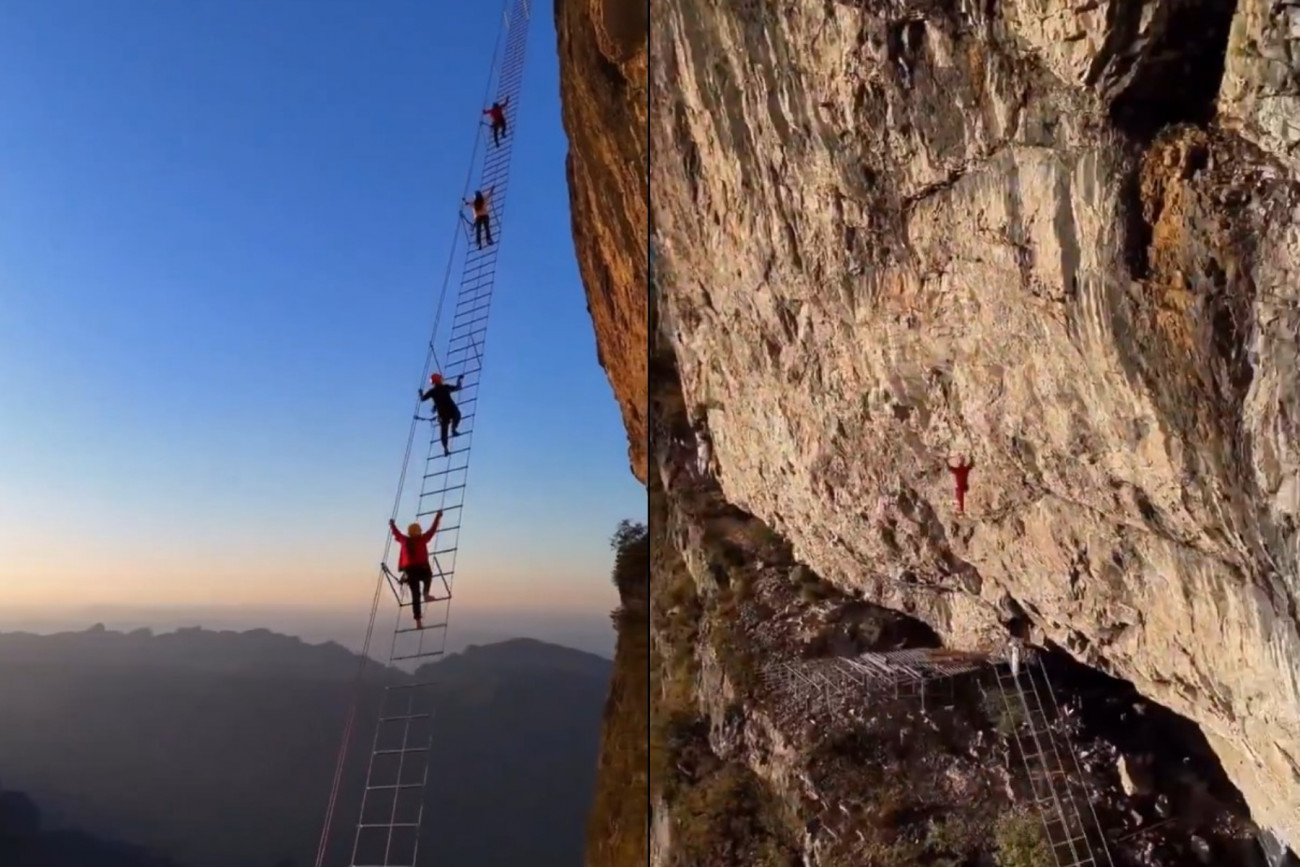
[
  {"x": 483, "y": 269},
  {"x": 421, "y": 629},
  {"x": 433, "y": 457},
  {"x": 449, "y": 454},
  {"x": 474, "y": 310},
  {"x": 408, "y": 716},
  {"x": 425, "y": 496},
  {"x": 474, "y": 331},
  {"x": 414, "y": 685},
  {"x": 428, "y": 654},
  {"x": 477, "y": 280},
  {"x": 478, "y": 268},
  {"x": 448, "y": 489},
  {"x": 436, "y": 452},
  {"x": 482, "y": 277},
  {"x": 472, "y": 298},
  {"x": 403, "y": 750},
  {"x": 446, "y": 472},
  {"x": 436, "y": 598},
  {"x": 474, "y": 335},
  {"x": 475, "y": 342},
  {"x": 474, "y": 289},
  {"x": 388, "y": 825},
  {"x": 468, "y": 320},
  {"x": 463, "y": 419},
  {"x": 392, "y": 787}
]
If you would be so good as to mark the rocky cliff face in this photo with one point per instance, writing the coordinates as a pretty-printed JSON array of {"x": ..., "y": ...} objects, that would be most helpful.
[
  {"x": 1056, "y": 239},
  {"x": 603, "y": 64},
  {"x": 603, "y": 92}
]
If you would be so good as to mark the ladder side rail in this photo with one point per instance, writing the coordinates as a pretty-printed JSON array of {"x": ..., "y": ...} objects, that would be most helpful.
[
  {"x": 1040, "y": 800},
  {"x": 1059, "y": 804},
  {"x": 1074, "y": 758},
  {"x": 1078, "y": 823}
]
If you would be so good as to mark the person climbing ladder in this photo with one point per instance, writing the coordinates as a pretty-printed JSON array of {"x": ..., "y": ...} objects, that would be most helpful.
[
  {"x": 482, "y": 217},
  {"x": 413, "y": 563},
  {"x": 448, "y": 412},
  {"x": 498, "y": 115}
]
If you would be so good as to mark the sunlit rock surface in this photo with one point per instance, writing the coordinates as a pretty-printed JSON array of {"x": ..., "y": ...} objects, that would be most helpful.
[{"x": 892, "y": 233}]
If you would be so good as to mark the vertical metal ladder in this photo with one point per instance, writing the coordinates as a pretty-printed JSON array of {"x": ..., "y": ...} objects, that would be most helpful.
[
  {"x": 1074, "y": 838},
  {"x": 392, "y": 807}
]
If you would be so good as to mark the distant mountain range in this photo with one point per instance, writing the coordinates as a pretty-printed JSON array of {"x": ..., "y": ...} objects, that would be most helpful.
[
  {"x": 26, "y": 842},
  {"x": 217, "y": 749},
  {"x": 583, "y": 630}
]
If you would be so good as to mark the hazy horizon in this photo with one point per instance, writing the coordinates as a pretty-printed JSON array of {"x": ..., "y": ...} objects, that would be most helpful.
[{"x": 581, "y": 630}]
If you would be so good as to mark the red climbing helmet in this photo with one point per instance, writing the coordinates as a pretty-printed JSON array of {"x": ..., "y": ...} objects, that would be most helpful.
[{"x": 436, "y": 379}]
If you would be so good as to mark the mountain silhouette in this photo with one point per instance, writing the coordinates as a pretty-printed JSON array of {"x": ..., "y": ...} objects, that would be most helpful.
[
  {"x": 218, "y": 748},
  {"x": 25, "y": 842}
]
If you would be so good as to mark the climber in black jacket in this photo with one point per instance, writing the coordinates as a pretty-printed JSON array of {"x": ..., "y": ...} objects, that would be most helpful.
[{"x": 448, "y": 412}]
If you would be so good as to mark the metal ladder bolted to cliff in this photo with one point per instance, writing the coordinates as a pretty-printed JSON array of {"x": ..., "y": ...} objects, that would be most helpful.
[
  {"x": 392, "y": 809},
  {"x": 1073, "y": 834}
]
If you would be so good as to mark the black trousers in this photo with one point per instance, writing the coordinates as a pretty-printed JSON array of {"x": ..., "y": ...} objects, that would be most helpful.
[
  {"x": 482, "y": 225},
  {"x": 498, "y": 130},
  {"x": 419, "y": 578},
  {"x": 451, "y": 419}
]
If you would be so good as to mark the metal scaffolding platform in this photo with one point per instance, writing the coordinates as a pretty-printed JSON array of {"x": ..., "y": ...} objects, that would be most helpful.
[
  {"x": 835, "y": 683},
  {"x": 841, "y": 686}
]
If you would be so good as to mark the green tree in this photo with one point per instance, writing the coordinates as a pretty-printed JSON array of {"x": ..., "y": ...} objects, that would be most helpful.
[
  {"x": 629, "y": 533},
  {"x": 631, "y": 544}
]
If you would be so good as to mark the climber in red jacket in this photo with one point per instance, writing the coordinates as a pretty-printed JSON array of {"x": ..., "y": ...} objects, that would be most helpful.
[
  {"x": 498, "y": 114},
  {"x": 959, "y": 474},
  {"x": 482, "y": 215},
  {"x": 413, "y": 563}
]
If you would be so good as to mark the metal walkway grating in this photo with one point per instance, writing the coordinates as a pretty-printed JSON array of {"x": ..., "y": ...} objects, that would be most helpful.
[
  {"x": 393, "y": 801},
  {"x": 838, "y": 687}
]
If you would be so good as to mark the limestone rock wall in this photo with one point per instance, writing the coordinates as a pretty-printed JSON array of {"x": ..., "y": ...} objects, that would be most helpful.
[
  {"x": 603, "y": 94},
  {"x": 890, "y": 233},
  {"x": 1261, "y": 84}
]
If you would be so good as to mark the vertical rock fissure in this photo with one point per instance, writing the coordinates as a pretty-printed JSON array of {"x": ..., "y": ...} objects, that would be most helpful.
[{"x": 1176, "y": 80}]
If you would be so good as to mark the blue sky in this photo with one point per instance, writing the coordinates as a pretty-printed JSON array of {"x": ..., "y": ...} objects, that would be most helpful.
[{"x": 223, "y": 230}]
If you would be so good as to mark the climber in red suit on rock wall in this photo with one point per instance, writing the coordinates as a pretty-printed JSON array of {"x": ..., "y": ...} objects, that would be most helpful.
[{"x": 960, "y": 474}]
